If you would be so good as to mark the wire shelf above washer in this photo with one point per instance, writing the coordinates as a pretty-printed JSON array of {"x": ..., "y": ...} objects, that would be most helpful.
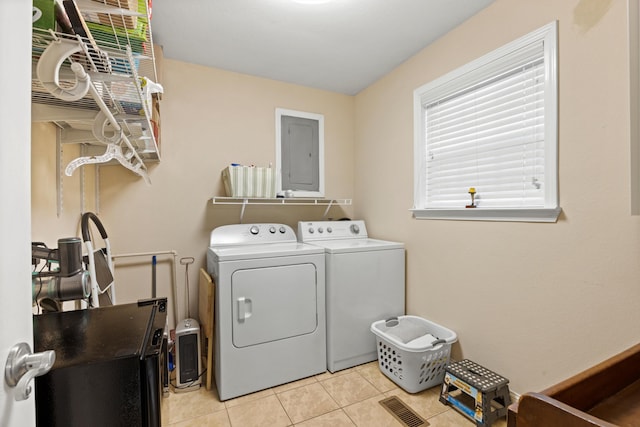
[
  {"x": 300, "y": 201},
  {"x": 294, "y": 201}
]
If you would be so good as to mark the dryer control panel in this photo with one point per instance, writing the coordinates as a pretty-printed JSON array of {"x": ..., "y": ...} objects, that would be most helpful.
[
  {"x": 247, "y": 234},
  {"x": 331, "y": 230}
]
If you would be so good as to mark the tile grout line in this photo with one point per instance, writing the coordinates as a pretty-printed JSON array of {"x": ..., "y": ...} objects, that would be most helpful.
[
  {"x": 282, "y": 406},
  {"x": 226, "y": 410},
  {"x": 342, "y": 408},
  {"x": 330, "y": 395}
]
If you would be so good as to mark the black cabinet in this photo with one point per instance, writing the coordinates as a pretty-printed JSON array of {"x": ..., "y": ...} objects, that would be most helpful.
[{"x": 108, "y": 368}]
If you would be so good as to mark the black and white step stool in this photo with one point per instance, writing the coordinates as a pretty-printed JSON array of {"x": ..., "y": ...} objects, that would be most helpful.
[{"x": 477, "y": 392}]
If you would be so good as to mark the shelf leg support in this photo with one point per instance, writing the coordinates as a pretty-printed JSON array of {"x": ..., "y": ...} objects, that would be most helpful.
[
  {"x": 83, "y": 150},
  {"x": 97, "y": 188},
  {"x": 326, "y": 211},
  {"x": 244, "y": 205},
  {"x": 59, "y": 199}
]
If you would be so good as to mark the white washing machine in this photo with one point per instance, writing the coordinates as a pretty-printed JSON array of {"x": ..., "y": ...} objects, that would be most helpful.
[
  {"x": 365, "y": 282},
  {"x": 269, "y": 309}
]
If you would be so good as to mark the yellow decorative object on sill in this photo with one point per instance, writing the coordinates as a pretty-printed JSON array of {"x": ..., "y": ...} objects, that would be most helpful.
[{"x": 472, "y": 191}]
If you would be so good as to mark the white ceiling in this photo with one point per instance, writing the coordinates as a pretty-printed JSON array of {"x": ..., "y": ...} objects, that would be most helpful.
[{"x": 341, "y": 45}]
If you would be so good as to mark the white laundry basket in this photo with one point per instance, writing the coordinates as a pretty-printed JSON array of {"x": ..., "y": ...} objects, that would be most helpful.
[{"x": 413, "y": 351}]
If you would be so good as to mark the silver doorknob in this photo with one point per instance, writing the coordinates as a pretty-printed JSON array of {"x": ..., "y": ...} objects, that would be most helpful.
[{"x": 23, "y": 366}]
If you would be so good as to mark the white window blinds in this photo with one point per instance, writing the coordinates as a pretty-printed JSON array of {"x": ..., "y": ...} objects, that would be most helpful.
[{"x": 488, "y": 132}]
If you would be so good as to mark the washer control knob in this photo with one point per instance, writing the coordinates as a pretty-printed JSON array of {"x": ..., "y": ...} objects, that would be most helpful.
[
  {"x": 254, "y": 230},
  {"x": 310, "y": 230},
  {"x": 272, "y": 230},
  {"x": 320, "y": 230},
  {"x": 282, "y": 230},
  {"x": 355, "y": 229},
  {"x": 329, "y": 230}
]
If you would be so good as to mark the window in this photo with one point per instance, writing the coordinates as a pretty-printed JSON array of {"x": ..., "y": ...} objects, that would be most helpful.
[
  {"x": 300, "y": 152},
  {"x": 491, "y": 127}
]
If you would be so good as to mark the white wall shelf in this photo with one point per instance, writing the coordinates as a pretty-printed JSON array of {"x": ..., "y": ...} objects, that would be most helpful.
[
  {"x": 294, "y": 201},
  {"x": 93, "y": 87}
]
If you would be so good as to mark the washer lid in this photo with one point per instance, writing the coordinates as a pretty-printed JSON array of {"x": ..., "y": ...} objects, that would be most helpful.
[
  {"x": 357, "y": 245},
  {"x": 270, "y": 250}
]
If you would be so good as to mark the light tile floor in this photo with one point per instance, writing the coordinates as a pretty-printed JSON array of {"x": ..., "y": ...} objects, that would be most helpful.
[{"x": 346, "y": 398}]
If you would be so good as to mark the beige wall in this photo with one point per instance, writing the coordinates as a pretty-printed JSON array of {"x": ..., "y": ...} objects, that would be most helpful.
[
  {"x": 46, "y": 225},
  {"x": 534, "y": 302},
  {"x": 210, "y": 118}
]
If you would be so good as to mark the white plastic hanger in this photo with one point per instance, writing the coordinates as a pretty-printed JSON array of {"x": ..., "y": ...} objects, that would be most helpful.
[
  {"x": 48, "y": 70},
  {"x": 100, "y": 128},
  {"x": 113, "y": 152}
]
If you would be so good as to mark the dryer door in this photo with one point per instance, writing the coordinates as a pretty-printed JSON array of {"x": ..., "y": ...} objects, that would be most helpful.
[{"x": 273, "y": 303}]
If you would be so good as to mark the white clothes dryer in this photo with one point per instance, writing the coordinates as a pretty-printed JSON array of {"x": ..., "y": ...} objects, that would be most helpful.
[
  {"x": 269, "y": 308},
  {"x": 365, "y": 282}
]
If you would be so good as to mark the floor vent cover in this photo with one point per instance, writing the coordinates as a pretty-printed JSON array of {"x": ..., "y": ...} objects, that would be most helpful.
[{"x": 402, "y": 412}]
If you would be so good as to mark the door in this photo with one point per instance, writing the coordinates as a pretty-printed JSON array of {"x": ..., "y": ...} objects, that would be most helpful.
[
  {"x": 273, "y": 303},
  {"x": 15, "y": 203},
  {"x": 300, "y": 152}
]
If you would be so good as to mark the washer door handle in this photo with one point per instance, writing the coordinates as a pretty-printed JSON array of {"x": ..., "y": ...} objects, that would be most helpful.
[{"x": 244, "y": 308}]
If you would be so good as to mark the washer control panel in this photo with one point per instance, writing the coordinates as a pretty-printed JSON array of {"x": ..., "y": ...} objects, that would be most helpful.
[
  {"x": 331, "y": 230},
  {"x": 246, "y": 234}
]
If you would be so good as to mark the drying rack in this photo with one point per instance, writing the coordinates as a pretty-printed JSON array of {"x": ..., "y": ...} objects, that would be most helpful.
[
  {"x": 95, "y": 88},
  {"x": 114, "y": 100}
]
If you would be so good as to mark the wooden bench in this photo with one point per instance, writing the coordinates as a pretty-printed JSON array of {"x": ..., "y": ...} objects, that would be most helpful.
[{"x": 605, "y": 395}]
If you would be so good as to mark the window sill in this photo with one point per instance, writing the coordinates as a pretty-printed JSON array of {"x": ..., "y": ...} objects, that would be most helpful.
[{"x": 521, "y": 215}]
